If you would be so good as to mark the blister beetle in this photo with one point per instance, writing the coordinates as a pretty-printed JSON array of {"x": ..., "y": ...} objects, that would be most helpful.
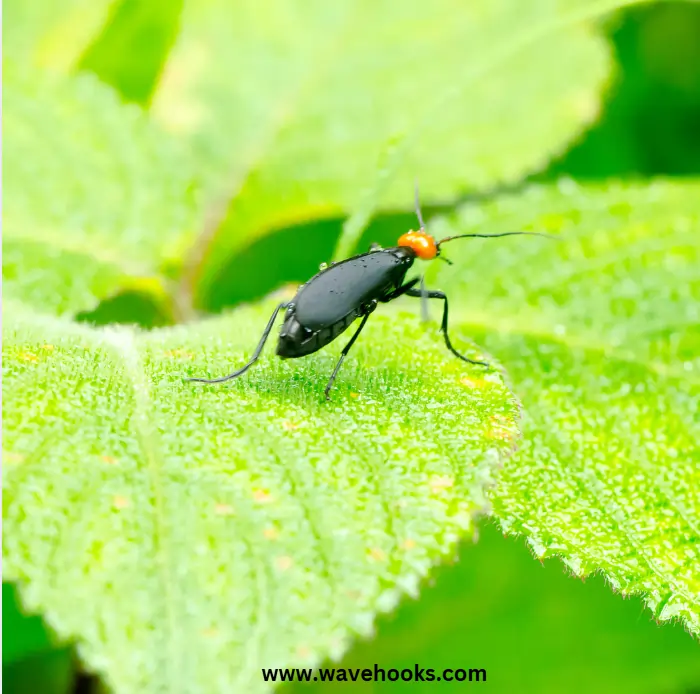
[{"x": 326, "y": 305}]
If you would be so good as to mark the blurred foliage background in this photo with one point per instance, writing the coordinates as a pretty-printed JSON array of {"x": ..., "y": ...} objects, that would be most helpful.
[
  {"x": 534, "y": 629},
  {"x": 650, "y": 126}
]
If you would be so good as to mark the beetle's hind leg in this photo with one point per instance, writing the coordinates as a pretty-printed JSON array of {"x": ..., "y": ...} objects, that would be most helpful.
[
  {"x": 347, "y": 347},
  {"x": 256, "y": 354},
  {"x": 434, "y": 294}
]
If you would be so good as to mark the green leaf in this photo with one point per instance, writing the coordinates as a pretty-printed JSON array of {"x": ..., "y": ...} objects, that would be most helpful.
[
  {"x": 51, "y": 672},
  {"x": 130, "y": 51},
  {"x": 28, "y": 634},
  {"x": 293, "y": 108},
  {"x": 98, "y": 198},
  {"x": 51, "y": 34},
  {"x": 31, "y": 660},
  {"x": 225, "y": 529},
  {"x": 601, "y": 337}
]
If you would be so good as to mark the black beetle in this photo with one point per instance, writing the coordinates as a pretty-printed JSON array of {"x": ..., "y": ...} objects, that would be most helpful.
[{"x": 331, "y": 300}]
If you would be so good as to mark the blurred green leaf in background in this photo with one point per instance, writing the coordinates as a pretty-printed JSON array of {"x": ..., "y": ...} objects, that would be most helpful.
[
  {"x": 321, "y": 88},
  {"x": 169, "y": 159},
  {"x": 530, "y": 626}
]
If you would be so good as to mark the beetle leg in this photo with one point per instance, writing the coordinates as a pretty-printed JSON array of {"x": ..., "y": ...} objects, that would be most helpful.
[
  {"x": 256, "y": 354},
  {"x": 347, "y": 347},
  {"x": 434, "y": 294},
  {"x": 404, "y": 289}
]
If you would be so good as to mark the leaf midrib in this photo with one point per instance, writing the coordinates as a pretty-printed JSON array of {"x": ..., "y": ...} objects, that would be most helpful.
[{"x": 124, "y": 348}]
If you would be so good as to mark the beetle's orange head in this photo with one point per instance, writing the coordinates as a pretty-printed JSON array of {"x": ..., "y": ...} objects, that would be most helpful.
[
  {"x": 426, "y": 247},
  {"x": 422, "y": 244}
]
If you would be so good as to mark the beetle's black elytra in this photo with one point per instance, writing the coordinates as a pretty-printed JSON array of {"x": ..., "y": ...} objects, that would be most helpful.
[{"x": 326, "y": 305}]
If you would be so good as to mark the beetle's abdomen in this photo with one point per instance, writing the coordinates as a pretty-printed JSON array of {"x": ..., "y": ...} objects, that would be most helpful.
[{"x": 297, "y": 341}]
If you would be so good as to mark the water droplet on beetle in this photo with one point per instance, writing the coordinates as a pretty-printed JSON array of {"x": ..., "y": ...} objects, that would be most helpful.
[{"x": 323, "y": 266}]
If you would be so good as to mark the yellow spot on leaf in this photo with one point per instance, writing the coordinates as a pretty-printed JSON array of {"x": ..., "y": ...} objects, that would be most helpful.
[
  {"x": 289, "y": 426},
  {"x": 354, "y": 395},
  {"x": 28, "y": 356},
  {"x": 304, "y": 652},
  {"x": 440, "y": 482},
  {"x": 10, "y": 457},
  {"x": 500, "y": 428},
  {"x": 262, "y": 496},
  {"x": 377, "y": 554},
  {"x": 223, "y": 510},
  {"x": 408, "y": 543},
  {"x": 120, "y": 502},
  {"x": 284, "y": 563},
  {"x": 473, "y": 382},
  {"x": 271, "y": 533},
  {"x": 48, "y": 348},
  {"x": 109, "y": 460},
  {"x": 210, "y": 632},
  {"x": 178, "y": 354},
  {"x": 500, "y": 434}
]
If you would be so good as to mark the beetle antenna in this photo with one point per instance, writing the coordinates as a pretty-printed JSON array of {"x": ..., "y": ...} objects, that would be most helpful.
[
  {"x": 493, "y": 236},
  {"x": 418, "y": 212}
]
